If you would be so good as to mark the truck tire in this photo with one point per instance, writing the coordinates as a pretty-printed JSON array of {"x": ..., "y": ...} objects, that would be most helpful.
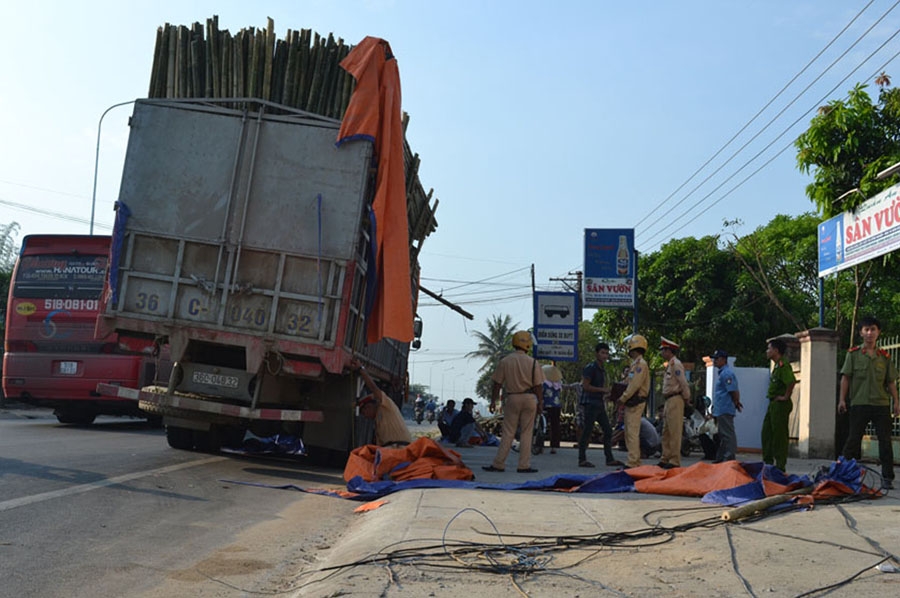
[
  {"x": 207, "y": 441},
  {"x": 180, "y": 438},
  {"x": 77, "y": 417}
]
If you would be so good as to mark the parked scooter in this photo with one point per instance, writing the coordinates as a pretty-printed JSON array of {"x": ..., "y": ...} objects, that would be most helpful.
[{"x": 699, "y": 429}]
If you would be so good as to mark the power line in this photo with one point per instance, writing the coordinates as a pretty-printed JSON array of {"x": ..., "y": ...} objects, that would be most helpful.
[
  {"x": 51, "y": 214},
  {"x": 23, "y": 185},
  {"x": 755, "y": 116},
  {"x": 824, "y": 98},
  {"x": 483, "y": 280}
]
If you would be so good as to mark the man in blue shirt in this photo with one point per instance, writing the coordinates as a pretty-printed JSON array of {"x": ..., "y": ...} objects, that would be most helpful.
[{"x": 726, "y": 402}]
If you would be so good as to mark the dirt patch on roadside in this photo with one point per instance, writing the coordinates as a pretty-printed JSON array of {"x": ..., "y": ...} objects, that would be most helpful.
[{"x": 265, "y": 558}]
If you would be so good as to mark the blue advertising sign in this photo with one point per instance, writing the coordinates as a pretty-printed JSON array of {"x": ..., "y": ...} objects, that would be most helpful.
[
  {"x": 556, "y": 326},
  {"x": 608, "y": 267},
  {"x": 831, "y": 250},
  {"x": 869, "y": 231}
]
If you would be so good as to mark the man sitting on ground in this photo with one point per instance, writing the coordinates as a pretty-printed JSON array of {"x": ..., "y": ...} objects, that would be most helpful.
[
  {"x": 445, "y": 418},
  {"x": 464, "y": 426}
]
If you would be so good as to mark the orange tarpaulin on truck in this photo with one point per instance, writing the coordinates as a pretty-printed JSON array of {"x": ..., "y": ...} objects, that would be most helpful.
[{"x": 374, "y": 114}]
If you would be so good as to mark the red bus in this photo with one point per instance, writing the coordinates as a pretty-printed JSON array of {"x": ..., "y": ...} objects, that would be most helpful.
[{"x": 51, "y": 358}]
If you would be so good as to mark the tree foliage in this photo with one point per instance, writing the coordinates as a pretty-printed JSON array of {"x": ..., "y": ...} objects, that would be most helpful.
[
  {"x": 847, "y": 143},
  {"x": 8, "y": 253}
]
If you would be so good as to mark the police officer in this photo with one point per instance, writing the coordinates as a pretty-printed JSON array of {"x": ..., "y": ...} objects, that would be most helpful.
[
  {"x": 522, "y": 381},
  {"x": 635, "y": 397},
  {"x": 676, "y": 392}
]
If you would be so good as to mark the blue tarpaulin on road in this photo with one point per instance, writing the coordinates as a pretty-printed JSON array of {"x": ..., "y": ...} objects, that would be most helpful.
[{"x": 729, "y": 483}]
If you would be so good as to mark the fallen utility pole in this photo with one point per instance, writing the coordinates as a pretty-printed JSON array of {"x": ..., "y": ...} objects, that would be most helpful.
[{"x": 452, "y": 306}]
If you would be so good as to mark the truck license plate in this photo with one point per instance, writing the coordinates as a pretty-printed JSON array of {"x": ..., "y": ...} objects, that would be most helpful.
[
  {"x": 215, "y": 379},
  {"x": 68, "y": 368}
]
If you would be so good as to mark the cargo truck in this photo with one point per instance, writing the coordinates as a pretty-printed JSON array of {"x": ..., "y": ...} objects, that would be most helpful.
[{"x": 242, "y": 244}]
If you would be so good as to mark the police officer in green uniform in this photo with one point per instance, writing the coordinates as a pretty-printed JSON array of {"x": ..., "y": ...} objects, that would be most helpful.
[
  {"x": 776, "y": 428},
  {"x": 869, "y": 378}
]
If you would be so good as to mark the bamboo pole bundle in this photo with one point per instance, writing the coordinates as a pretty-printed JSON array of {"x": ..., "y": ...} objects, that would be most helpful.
[
  {"x": 327, "y": 61},
  {"x": 157, "y": 62},
  {"x": 279, "y": 66},
  {"x": 184, "y": 36},
  {"x": 170, "y": 67},
  {"x": 302, "y": 70},
  {"x": 269, "y": 48},
  {"x": 227, "y": 70},
  {"x": 315, "y": 68},
  {"x": 303, "y": 81},
  {"x": 290, "y": 68}
]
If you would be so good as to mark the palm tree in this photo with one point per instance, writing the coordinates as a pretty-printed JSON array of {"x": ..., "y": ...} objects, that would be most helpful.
[{"x": 492, "y": 346}]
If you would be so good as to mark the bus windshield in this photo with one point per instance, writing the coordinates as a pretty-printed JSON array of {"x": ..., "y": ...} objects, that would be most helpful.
[{"x": 60, "y": 276}]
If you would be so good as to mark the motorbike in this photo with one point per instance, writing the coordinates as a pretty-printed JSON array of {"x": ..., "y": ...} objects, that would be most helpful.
[
  {"x": 420, "y": 413},
  {"x": 697, "y": 426},
  {"x": 429, "y": 416}
]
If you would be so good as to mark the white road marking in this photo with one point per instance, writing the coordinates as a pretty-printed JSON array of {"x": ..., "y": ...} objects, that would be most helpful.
[{"x": 35, "y": 498}]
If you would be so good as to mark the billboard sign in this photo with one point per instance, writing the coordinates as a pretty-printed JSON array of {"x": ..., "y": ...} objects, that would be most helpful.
[
  {"x": 556, "y": 326},
  {"x": 609, "y": 267},
  {"x": 851, "y": 238}
]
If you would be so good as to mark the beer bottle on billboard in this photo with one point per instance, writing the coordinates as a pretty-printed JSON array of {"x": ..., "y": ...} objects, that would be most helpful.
[{"x": 622, "y": 257}]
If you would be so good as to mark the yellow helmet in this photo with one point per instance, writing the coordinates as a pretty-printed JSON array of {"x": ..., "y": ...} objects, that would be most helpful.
[
  {"x": 637, "y": 341},
  {"x": 522, "y": 340}
]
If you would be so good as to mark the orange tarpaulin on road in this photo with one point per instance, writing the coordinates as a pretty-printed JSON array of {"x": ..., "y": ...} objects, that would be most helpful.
[
  {"x": 700, "y": 479},
  {"x": 374, "y": 115},
  {"x": 423, "y": 459}
]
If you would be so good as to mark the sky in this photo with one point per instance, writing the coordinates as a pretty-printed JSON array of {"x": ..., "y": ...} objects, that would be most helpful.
[{"x": 533, "y": 120}]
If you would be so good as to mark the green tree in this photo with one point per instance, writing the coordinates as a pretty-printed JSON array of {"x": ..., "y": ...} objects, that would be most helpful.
[
  {"x": 492, "y": 346},
  {"x": 780, "y": 259},
  {"x": 688, "y": 291},
  {"x": 8, "y": 248},
  {"x": 8, "y": 253},
  {"x": 847, "y": 143}
]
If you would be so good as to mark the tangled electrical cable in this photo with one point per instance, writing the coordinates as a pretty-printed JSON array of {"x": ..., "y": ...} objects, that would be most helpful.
[{"x": 519, "y": 556}]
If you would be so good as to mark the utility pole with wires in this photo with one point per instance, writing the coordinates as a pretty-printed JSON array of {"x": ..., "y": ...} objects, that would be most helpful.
[{"x": 574, "y": 285}]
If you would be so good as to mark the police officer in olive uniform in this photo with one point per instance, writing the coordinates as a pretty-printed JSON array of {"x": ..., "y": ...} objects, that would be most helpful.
[{"x": 869, "y": 381}]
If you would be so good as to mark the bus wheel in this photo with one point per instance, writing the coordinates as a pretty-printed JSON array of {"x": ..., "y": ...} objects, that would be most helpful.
[
  {"x": 77, "y": 417},
  {"x": 180, "y": 438}
]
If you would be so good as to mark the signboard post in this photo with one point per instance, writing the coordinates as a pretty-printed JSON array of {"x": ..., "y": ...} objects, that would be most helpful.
[
  {"x": 609, "y": 268},
  {"x": 556, "y": 326}
]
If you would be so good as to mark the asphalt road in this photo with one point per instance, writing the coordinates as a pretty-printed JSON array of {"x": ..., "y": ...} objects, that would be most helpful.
[{"x": 111, "y": 510}]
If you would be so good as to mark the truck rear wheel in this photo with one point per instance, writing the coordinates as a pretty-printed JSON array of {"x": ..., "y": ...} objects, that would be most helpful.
[{"x": 180, "y": 438}]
